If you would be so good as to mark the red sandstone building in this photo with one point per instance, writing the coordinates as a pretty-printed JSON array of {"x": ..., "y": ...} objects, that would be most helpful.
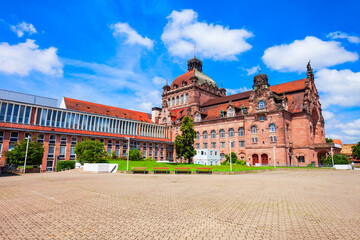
[{"x": 281, "y": 123}]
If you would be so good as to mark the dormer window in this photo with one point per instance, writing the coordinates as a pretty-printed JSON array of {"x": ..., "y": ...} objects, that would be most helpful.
[
  {"x": 231, "y": 112},
  {"x": 175, "y": 86},
  {"x": 261, "y": 105},
  {"x": 164, "y": 120},
  {"x": 183, "y": 83},
  {"x": 198, "y": 117}
]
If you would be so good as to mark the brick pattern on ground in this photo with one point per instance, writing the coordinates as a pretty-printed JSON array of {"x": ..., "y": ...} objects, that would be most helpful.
[{"x": 284, "y": 204}]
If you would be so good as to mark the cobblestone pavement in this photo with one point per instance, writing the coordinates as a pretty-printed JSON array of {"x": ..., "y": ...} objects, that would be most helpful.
[{"x": 284, "y": 204}]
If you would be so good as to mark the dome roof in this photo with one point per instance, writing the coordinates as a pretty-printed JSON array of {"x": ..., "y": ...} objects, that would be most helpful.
[{"x": 202, "y": 78}]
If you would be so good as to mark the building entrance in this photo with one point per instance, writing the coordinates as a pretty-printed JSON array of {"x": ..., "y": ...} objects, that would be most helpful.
[
  {"x": 255, "y": 158},
  {"x": 264, "y": 160}
]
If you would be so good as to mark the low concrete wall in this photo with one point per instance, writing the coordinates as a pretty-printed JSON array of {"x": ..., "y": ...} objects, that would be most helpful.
[
  {"x": 100, "y": 167},
  {"x": 343, "y": 167}
]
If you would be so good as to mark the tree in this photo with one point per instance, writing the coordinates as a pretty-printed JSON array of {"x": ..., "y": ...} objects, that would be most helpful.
[
  {"x": 90, "y": 151},
  {"x": 184, "y": 143},
  {"x": 17, "y": 155},
  {"x": 233, "y": 158},
  {"x": 134, "y": 155},
  {"x": 356, "y": 150},
  {"x": 338, "y": 159},
  {"x": 329, "y": 140}
]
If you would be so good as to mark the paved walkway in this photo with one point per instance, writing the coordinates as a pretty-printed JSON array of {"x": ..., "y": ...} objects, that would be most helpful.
[{"x": 284, "y": 204}]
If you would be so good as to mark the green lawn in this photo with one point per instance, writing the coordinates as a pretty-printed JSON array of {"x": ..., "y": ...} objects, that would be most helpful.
[{"x": 151, "y": 164}]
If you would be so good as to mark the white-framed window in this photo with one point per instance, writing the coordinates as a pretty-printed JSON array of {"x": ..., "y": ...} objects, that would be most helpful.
[
  {"x": 63, "y": 140},
  {"x": 232, "y": 143},
  {"x": 72, "y": 153},
  {"x": 231, "y": 112},
  {"x": 213, "y": 134},
  {"x": 222, "y": 144},
  {"x": 182, "y": 98},
  {"x": 186, "y": 97},
  {"x": 14, "y": 137},
  {"x": 74, "y": 140},
  {"x": 272, "y": 128},
  {"x": 197, "y": 135},
  {"x": 242, "y": 143},
  {"x": 177, "y": 100},
  {"x": 253, "y": 129},
  {"x": 254, "y": 140},
  {"x": 62, "y": 152},
  {"x": 222, "y": 133},
  {"x": 261, "y": 104},
  {"x": 51, "y": 152},
  {"x": 173, "y": 101},
  {"x": 198, "y": 117},
  {"x": 52, "y": 139},
  {"x": 205, "y": 145},
  {"x": 213, "y": 145},
  {"x": 222, "y": 156},
  {"x": 0, "y": 148},
  {"x": 205, "y": 135},
  {"x": 231, "y": 132},
  {"x": 197, "y": 145},
  {"x": 40, "y": 138},
  {"x": 272, "y": 138},
  {"x": 241, "y": 132}
]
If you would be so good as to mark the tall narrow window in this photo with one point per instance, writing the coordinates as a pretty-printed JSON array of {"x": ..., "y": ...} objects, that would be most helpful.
[
  {"x": 182, "y": 99},
  {"x": 231, "y": 112},
  {"x": 186, "y": 97},
  {"x": 261, "y": 104},
  {"x": 272, "y": 128},
  {"x": 197, "y": 135},
  {"x": 2, "y": 112},
  {"x": 213, "y": 134},
  {"x": 241, "y": 132},
  {"x": 231, "y": 132},
  {"x": 205, "y": 135},
  {"x": 9, "y": 112},
  {"x": 177, "y": 100},
  {"x": 222, "y": 133},
  {"x": 15, "y": 114},
  {"x": 21, "y": 114},
  {"x": 253, "y": 129}
]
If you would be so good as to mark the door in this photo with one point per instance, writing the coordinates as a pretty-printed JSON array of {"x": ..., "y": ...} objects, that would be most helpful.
[
  {"x": 255, "y": 158},
  {"x": 264, "y": 160}
]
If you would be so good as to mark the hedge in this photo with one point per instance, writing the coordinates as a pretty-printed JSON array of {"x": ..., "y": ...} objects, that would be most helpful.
[{"x": 65, "y": 164}]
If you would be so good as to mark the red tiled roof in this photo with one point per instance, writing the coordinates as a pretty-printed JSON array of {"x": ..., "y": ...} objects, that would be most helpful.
[
  {"x": 183, "y": 77},
  {"x": 178, "y": 113},
  {"x": 90, "y": 107},
  {"x": 289, "y": 86},
  {"x": 337, "y": 141},
  {"x": 235, "y": 97},
  {"x": 213, "y": 112}
]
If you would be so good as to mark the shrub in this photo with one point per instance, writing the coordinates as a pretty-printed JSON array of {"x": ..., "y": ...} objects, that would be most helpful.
[
  {"x": 311, "y": 165},
  {"x": 234, "y": 159},
  {"x": 338, "y": 159},
  {"x": 134, "y": 155},
  {"x": 149, "y": 159},
  {"x": 113, "y": 155},
  {"x": 17, "y": 155},
  {"x": 90, "y": 151},
  {"x": 65, "y": 164}
]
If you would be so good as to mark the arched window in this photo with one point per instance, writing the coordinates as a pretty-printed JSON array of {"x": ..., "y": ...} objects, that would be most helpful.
[
  {"x": 173, "y": 102},
  {"x": 272, "y": 128},
  {"x": 177, "y": 100},
  {"x": 261, "y": 104},
  {"x": 197, "y": 135},
  {"x": 182, "y": 98},
  {"x": 186, "y": 97},
  {"x": 205, "y": 135},
  {"x": 253, "y": 129},
  {"x": 241, "y": 132},
  {"x": 198, "y": 117},
  {"x": 169, "y": 102},
  {"x": 213, "y": 134},
  {"x": 222, "y": 133},
  {"x": 164, "y": 120},
  {"x": 231, "y": 112},
  {"x": 231, "y": 132}
]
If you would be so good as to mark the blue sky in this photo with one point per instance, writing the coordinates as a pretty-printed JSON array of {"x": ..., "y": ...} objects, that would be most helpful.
[{"x": 120, "y": 53}]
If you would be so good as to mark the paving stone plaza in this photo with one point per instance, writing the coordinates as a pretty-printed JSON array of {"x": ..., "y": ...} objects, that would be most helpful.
[{"x": 282, "y": 204}]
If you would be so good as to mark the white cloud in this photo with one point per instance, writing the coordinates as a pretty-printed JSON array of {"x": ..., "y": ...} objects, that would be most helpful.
[
  {"x": 239, "y": 90},
  {"x": 348, "y": 132},
  {"x": 253, "y": 70},
  {"x": 23, "y": 27},
  {"x": 25, "y": 57},
  {"x": 293, "y": 57},
  {"x": 342, "y": 35},
  {"x": 159, "y": 80},
  {"x": 338, "y": 87},
  {"x": 328, "y": 115},
  {"x": 124, "y": 29},
  {"x": 212, "y": 41}
]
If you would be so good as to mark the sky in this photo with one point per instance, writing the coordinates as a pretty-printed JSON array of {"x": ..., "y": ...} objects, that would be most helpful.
[{"x": 121, "y": 53}]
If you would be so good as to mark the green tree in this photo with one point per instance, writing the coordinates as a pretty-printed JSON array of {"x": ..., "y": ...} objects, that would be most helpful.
[
  {"x": 113, "y": 155},
  {"x": 234, "y": 158},
  {"x": 90, "y": 151},
  {"x": 338, "y": 159},
  {"x": 134, "y": 155},
  {"x": 329, "y": 140},
  {"x": 356, "y": 150},
  {"x": 184, "y": 143},
  {"x": 17, "y": 155}
]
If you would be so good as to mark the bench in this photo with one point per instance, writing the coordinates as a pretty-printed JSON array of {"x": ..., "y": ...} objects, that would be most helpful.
[
  {"x": 203, "y": 169},
  {"x": 182, "y": 170},
  {"x": 139, "y": 169},
  {"x": 161, "y": 169}
]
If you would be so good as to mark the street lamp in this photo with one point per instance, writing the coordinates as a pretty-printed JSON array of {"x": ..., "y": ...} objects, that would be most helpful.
[
  {"x": 230, "y": 157},
  {"x": 26, "y": 152}
]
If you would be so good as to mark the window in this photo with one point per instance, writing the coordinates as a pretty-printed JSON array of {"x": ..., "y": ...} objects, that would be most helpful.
[
  {"x": 272, "y": 128},
  {"x": 197, "y": 117},
  {"x": 261, "y": 105},
  {"x": 62, "y": 152},
  {"x": 72, "y": 153},
  {"x": 21, "y": 114},
  {"x": 2, "y": 112},
  {"x": 0, "y": 149},
  {"x": 125, "y": 147},
  {"x": 15, "y": 114},
  {"x": 213, "y": 145},
  {"x": 262, "y": 118},
  {"x": 51, "y": 152},
  {"x": 232, "y": 143},
  {"x": 186, "y": 97},
  {"x": 14, "y": 136},
  {"x": 222, "y": 133},
  {"x": 231, "y": 112},
  {"x": 205, "y": 135},
  {"x": 40, "y": 138},
  {"x": 197, "y": 135},
  {"x": 287, "y": 127},
  {"x": 177, "y": 100},
  {"x": 197, "y": 145},
  {"x": 164, "y": 120},
  {"x": 74, "y": 140},
  {"x": 272, "y": 138},
  {"x": 241, "y": 132},
  {"x": 205, "y": 145},
  {"x": 173, "y": 101},
  {"x": 242, "y": 143},
  {"x": 109, "y": 147},
  {"x": 52, "y": 139},
  {"x": 182, "y": 98},
  {"x": 301, "y": 159},
  {"x": 9, "y": 112},
  {"x": 254, "y": 140},
  {"x": 213, "y": 134},
  {"x": 144, "y": 150},
  {"x": 253, "y": 129},
  {"x": 1, "y": 136},
  {"x": 222, "y": 144},
  {"x": 63, "y": 140},
  {"x": 231, "y": 132},
  {"x": 222, "y": 156}
]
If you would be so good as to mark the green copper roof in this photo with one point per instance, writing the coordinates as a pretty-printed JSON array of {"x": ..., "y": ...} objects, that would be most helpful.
[{"x": 204, "y": 78}]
